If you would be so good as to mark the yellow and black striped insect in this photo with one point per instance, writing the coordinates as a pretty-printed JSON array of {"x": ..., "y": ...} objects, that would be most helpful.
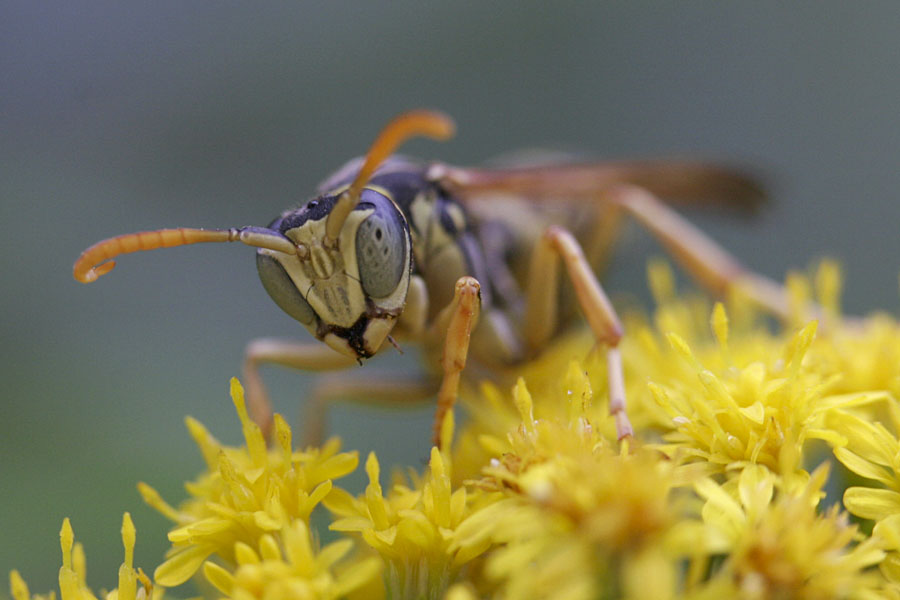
[{"x": 463, "y": 260}]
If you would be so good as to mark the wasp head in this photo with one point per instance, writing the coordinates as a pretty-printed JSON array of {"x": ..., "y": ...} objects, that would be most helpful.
[{"x": 348, "y": 291}]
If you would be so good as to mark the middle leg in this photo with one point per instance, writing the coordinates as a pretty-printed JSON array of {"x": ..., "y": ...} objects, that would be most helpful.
[{"x": 541, "y": 310}]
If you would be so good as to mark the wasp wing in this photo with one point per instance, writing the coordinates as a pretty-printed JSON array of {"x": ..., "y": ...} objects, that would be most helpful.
[{"x": 680, "y": 182}]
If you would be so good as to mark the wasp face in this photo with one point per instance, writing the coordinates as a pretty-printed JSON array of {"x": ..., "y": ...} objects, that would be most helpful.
[{"x": 350, "y": 291}]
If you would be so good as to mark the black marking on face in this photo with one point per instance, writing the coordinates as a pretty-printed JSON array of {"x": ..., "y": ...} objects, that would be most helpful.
[
  {"x": 314, "y": 210},
  {"x": 355, "y": 334}
]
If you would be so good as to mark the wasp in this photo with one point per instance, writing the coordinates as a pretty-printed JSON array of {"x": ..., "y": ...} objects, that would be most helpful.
[{"x": 465, "y": 261}]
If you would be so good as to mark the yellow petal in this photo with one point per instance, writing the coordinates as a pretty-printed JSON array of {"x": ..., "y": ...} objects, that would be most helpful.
[
  {"x": 682, "y": 349},
  {"x": 340, "y": 502},
  {"x": 448, "y": 426},
  {"x": 799, "y": 344},
  {"x": 661, "y": 280},
  {"x": 66, "y": 540},
  {"x": 127, "y": 589},
  {"x": 256, "y": 443},
  {"x": 387, "y": 536},
  {"x": 862, "y": 467},
  {"x": 333, "y": 552},
  {"x": 719, "y": 323},
  {"x": 460, "y": 591},
  {"x": 318, "y": 494},
  {"x": 79, "y": 562},
  {"x": 359, "y": 575},
  {"x": 720, "y": 510},
  {"x": 755, "y": 412},
  {"x": 209, "y": 446},
  {"x": 221, "y": 579},
  {"x": 244, "y": 554},
  {"x": 181, "y": 566},
  {"x": 297, "y": 546},
  {"x": 374, "y": 500},
  {"x": 828, "y": 283},
  {"x": 268, "y": 548},
  {"x": 265, "y": 521},
  {"x": 334, "y": 467},
  {"x": 890, "y": 566},
  {"x": 283, "y": 436},
  {"x": 17, "y": 586},
  {"x": 524, "y": 405},
  {"x": 205, "y": 527},
  {"x": 871, "y": 441},
  {"x": 756, "y": 487},
  {"x": 129, "y": 534},
  {"x": 352, "y": 524},
  {"x": 889, "y": 530},
  {"x": 852, "y": 399},
  {"x": 154, "y": 500},
  {"x": 870, "y": 503}
]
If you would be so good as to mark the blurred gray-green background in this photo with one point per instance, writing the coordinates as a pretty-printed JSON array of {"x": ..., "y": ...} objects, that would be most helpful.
[{"x": 117, "y": 117}]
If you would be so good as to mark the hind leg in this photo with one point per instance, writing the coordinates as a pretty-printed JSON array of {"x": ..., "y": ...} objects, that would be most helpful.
[
  {"x": 705, "y": 260},
  {"x": 541, "y": 310}
]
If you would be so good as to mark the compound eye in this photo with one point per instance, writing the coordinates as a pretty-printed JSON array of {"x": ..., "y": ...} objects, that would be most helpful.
[
  {"x": 282, "y": 290},
  {"x": 381, "y": 249}
]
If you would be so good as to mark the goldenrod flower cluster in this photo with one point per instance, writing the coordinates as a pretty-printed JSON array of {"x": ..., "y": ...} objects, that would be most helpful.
[{"x": 741, "y": 427}]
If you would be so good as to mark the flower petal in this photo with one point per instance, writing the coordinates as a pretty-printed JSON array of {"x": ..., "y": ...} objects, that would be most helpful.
[
  {"x": 863, "y": 467},
  {"x": 181, "y": 566},
  {"x": 870, "y": 503}
]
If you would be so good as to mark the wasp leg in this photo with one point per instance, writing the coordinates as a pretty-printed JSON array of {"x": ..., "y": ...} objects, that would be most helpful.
[
  {"x": 306, "y": 357},
  {"x": 382, "y": 389},
  {"x": 541, "y": 308},
  {"x": 460, "y": 317},
  {"x": 706, "y": 261},
  {"x": 603, "y": 234}
]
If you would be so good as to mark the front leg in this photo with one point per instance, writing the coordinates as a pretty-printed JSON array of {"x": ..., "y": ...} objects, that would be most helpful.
[
  {"x": 306, "y": 357},
  {"x": 460, "y": 316},
  {"x": 373, "y": 388}
]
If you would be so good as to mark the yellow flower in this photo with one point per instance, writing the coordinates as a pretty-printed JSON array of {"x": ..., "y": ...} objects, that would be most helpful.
[
  {"x": 246, "y": 493},
  {"x": 414, "y": 528},
  {"x": 873, "y": 452},
  {"x": 133, "y": 584},
  {"x": 866, "y": 354},
  {"x": 777, "y": 545},
  {"x": 863, "y": 353},
  {"x": 579, "y": 518},
  {"x": 717, "y": 383},
  {"x": 291, "y": 569},
  {"x": 743, "y": 407},
  {"x": 538, "y": 500}
]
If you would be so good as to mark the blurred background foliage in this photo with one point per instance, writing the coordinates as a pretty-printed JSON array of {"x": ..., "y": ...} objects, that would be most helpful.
[{"x": 116, "y": 117}]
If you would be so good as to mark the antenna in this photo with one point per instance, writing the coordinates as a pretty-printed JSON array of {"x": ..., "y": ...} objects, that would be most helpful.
[
  {"x": 428, "y": 123},
  {"x": 96, "y": 260}
]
